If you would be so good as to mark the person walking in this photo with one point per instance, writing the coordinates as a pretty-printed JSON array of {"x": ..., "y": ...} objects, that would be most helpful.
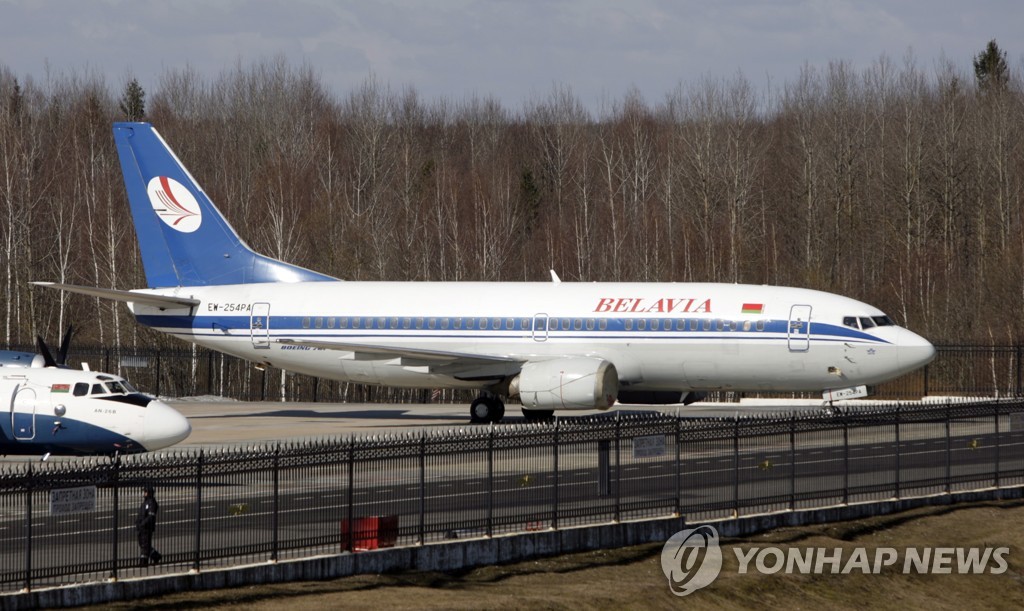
[{"x": 145, "y": 525}]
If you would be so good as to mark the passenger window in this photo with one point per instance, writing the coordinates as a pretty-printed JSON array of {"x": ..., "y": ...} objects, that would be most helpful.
[
  {"x": 760, "y": 325},
  {"x": 343, "y": 322},
  {"x": 655, "y": 325},
  {"x": 746, "y": 325},
  {"x": 577, "y": 324},
  {"x": 641, "y": 325},
  {"x": 305, "y": 322},
  {"x": 330, "y": 323},
  {"x": 457, "y": 323},
  {"x": 707, "y": 324},
  {"x": 81, "y": 389},
  {"x": 355, "y": 322},
  {"x": 590, "y": 324},
  {"x": 602, "y": 324},
  {"x": 394, "y": 323},
  {"x": 431, "y": 323},
  {"x": 419, "y": 323},
  {"x": 406, "y": 323},
  {"x": 629, "y": 324},
  {"x": 382, "y": 323},
  {"x": 319, "y": 322},
  {"x": 510, "y": 324}
]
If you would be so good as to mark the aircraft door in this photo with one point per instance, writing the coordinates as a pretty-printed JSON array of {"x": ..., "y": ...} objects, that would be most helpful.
[
  {"x": 540, "y": 327},
  {"x": 259, "y": 325},
  {"x": 23, "y": 414},
  {"x": 798, "y": 334}
]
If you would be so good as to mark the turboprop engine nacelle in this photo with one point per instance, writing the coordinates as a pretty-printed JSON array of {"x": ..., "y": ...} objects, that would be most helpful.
[{"x": 571, "y": 383}]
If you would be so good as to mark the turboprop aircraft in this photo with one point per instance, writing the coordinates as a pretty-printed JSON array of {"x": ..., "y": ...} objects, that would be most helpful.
[
  {"x": 554, "y": 345},
  {"x": 54, "y": 410}
]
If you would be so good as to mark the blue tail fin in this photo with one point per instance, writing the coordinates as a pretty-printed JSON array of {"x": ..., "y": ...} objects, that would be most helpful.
[{"x": 184, "y": 239}]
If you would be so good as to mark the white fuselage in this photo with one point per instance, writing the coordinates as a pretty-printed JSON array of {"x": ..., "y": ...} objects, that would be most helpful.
[
  {"x": 51, "y": 410},
  {"x": 685, "y": 336}
]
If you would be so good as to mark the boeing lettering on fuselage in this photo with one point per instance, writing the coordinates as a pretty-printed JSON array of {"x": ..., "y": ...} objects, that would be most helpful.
[
  {"x": 665, "y": 305},
  {"x": 554, "y": 345}
]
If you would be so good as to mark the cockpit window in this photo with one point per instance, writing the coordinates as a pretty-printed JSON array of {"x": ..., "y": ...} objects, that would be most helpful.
[
  {"x": 851, "y": 321},
  {"x": 116, "y": 388},
  {"x": 883, "y": 321},
  {"x": 97, "y": 389},
  {"x": 81, "y": 389},
  {"x": 866, "y": 322}
]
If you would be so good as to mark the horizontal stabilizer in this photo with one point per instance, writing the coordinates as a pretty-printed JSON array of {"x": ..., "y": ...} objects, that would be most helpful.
[{"x": 163, "y": 302}]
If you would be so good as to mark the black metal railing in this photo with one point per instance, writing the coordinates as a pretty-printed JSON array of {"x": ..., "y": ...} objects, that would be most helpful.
[{"x": 72, "y": 522}]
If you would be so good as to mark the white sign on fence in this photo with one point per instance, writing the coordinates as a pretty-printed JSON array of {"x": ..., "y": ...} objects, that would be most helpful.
[
  {"x": 649, "y": 447},
  {"x": 72, "y": 500}
]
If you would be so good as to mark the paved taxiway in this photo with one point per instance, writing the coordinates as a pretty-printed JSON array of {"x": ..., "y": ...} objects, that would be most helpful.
[{"x": 227, "y": 422}]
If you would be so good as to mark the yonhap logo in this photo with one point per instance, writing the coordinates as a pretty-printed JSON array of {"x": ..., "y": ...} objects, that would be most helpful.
[{"x": 691, "y": 559}]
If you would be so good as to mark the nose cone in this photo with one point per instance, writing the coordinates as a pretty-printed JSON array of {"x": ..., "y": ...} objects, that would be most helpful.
[
  {"x": 914, "y": 351},
  {"x": 165, "y": 426}
]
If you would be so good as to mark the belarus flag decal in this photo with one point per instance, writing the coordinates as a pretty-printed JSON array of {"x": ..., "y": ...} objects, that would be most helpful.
[{"x": 753, "y": 308}]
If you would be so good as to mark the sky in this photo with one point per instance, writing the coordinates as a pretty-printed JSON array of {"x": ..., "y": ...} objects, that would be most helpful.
[{"x": 512, "y": 50}]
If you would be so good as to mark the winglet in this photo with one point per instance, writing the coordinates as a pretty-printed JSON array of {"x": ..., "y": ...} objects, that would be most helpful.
[{"x": 555, "y": 278}]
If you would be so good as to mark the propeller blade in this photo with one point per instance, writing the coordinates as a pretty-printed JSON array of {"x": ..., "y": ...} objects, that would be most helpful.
[{"x": 47, "y": 357}]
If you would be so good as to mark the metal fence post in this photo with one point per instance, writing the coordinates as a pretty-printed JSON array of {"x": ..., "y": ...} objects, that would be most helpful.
[
  {"x": 997, "y": 448},
  {"x": 423, "y": 487},
  {"x": 618, "y": 467},
  {"x": 116, "y": 481},
  {"x": 949, "y": 450},
  {"x": 679, "y": 466},
  {"x": 792, "y": 461},
  {"x": 846, "y": 460},
  {"x": 199, "y": 513},
  {"x": 277, "y": 496},
  {"x": 350, "y": 531},
  {"x": 28, "y": 529},
  {"x": 899, "y": 449},
  {"x": 490, "y": 480},
  {"x": 736, "y": 466},
  {"x": 554, "y": 488}
]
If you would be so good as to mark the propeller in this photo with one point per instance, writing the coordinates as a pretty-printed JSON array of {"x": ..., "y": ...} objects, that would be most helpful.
[{"x": 62, "y": 354}]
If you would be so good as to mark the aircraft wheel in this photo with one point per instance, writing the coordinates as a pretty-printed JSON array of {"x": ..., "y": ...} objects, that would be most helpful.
[{"x": 486, "y": 409}]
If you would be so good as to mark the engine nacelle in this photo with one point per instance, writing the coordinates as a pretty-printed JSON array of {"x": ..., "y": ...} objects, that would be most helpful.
[{"x": 570, "y": 383}]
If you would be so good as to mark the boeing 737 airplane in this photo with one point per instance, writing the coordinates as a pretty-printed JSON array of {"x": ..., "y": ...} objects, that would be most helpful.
[{"x": 554, "y": 345}]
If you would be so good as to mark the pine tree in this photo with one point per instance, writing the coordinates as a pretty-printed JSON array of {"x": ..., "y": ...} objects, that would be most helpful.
[
  {"x": 990, "y": 68},
  {"x": 133, "y": 102}
]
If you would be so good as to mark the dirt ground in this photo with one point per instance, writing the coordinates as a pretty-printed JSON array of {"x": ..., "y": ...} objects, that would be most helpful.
[{"x": 632, "y": 578}]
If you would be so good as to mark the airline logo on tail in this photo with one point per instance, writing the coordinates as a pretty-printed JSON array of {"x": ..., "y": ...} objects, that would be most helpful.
[{"x": 174, "y": 204}]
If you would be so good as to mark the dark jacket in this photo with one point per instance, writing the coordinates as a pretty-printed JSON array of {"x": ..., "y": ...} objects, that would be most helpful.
[{"x": 146, "y": 520}]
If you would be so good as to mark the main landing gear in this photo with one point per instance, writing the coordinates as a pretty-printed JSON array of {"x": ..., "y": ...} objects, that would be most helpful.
[
  {"x": 486, "y": 408},
  {"x": 490, "y": 408}
]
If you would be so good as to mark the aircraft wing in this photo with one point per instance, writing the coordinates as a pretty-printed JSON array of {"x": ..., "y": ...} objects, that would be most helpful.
[
  {"x": 461, "y": 365},
  {"x": 159, "y": 301}
]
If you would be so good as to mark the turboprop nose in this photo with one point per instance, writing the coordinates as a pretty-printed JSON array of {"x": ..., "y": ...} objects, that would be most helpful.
[
  {"x": 914, "y": 351},
  {"x": 165, "y": 426}
]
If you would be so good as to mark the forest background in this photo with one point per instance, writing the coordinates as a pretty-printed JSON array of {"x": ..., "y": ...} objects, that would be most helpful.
[{"x": 897, "y": 185}]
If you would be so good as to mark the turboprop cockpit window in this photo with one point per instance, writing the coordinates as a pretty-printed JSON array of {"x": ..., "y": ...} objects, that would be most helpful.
[
  {"x": 81, "y": 389},
  {"x": 116, "y": 388}
]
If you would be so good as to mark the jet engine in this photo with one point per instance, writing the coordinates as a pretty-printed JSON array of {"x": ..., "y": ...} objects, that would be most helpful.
[{"x": 569, "y": 383}]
